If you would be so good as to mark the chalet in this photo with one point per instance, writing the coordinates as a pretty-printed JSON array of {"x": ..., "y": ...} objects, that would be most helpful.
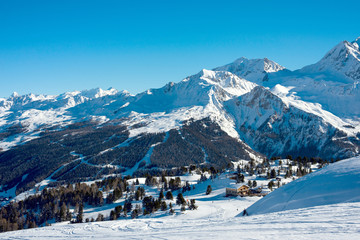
[
  {"x": 256, "y": 191},
  {"x": 231, "y": 192},
  {"x": 233, "y": 176},
  {"x": 241, "y": 191},
  {"x": 245, "y": 190},
  {"x": 259, "y": 192}
]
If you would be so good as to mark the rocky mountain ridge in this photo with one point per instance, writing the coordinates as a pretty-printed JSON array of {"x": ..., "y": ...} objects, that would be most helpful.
[{"x": 248, "y": 109}]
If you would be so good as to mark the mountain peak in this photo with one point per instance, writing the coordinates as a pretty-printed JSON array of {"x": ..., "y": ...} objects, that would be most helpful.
[
  {"x": 356, "y": 43},
  {"x": 343, "y": 49},
  {"x": 98, "y": 92},
  {"x": 206, "y": 73},
  {"x": 14, "y": 95},
  {"x": 343, "y": 59},
  {"x": 251, "y": 69}
]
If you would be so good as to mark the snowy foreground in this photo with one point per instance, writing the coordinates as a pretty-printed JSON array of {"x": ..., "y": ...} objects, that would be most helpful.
[
  {"x": 339, "y": 221},
  {"x": 337, "y": 183},
  {"x": 321, "y": 205}
]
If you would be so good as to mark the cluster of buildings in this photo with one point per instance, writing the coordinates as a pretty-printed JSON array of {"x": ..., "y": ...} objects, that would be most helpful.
[{"x": 244, "y": 191}]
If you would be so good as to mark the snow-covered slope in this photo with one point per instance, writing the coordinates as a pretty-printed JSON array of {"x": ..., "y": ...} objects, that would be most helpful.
[
  {"x": 196, "y": 97},
  {"x": 336, "y": 183},
  {"x": 215, "y": 218},
  {"x": 201, "y": 96},
  {"x": 261, "y": 119},
  {"x": 32, "y": 112},
  {"x": 339, "y": 221},
  {"x": 332, "y": 82},
  {"x": 186, "y": 117},
  {"x": 276, "y": 127}
]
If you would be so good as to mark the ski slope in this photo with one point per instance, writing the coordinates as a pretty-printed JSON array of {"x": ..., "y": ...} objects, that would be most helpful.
[
  {"x": 337, "y": 183},
  {"x": 339, "y": 221}
]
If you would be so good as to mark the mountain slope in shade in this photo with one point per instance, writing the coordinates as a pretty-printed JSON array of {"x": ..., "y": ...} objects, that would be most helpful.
[
  {"x": 277, "y": 128},
  {"x": 336, "y": 183}
]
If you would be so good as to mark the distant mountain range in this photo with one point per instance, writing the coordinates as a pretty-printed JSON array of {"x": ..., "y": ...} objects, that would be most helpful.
[{"x": 248, "y": 109}]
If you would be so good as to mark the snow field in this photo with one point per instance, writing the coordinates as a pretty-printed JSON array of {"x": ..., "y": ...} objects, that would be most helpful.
[{"x": 339, "y": 221}]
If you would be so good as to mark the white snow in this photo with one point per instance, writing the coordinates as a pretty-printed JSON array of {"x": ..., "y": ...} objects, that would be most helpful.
[
  {"x": 217, "y": 217},
  {"x": 329, "y": 201},
  {"x": 336, "y": 183},
  {"x": 253, "y": 70},
  {"x": 338, "y": 221},
  {"x": 324, "y": 94}
]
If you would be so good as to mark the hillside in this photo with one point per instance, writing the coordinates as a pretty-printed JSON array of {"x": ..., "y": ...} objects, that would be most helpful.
[
  {"x": 215, "y": 217},
  {"x": 336, "y": 183}
]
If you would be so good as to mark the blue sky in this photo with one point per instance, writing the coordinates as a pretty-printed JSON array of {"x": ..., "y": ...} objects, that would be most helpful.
[{"x": 50, "y": 47}]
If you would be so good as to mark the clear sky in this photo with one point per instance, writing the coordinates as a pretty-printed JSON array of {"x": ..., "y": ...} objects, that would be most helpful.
[{"x": 50, "y": 47}]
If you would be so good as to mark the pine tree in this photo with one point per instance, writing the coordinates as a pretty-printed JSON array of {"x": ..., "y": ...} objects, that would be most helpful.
[
  {"x": 163, "y": 206},
  {"x": 137, "y": 195},
  {"x": 99, "y": 201},
  {"x": 161, "y": 195},
  {"x": 117, "y": 194},
  {"x": 270, "y": 185},
  {"x": 135, "y": 213},
  {"x": 118, "y": 211},
  {"x": 100, "y": 217},
  {"x": 63, "y": 212},
  {"x": 180, "y": 199},
  {"x": 208, "y": 190},
  {"x": 169, "y": 195},
  {"x": 32, "y": 224},
  {"x": 273, "y": 173},
  {"x": 110, "y": 198},
  {"x": 128, "y": 206},
  {"x": 68, "y": 214},
  {"x": 192, "y": 205},
  {"x": 79, "y": 217},
  {"x": 166, "y": 186},
  {"x": 182, "y": 208},
  {"x": 112, "y": 215}
]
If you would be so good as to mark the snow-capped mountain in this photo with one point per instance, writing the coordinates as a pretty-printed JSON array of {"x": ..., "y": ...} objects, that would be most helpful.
[
  {"x": 277, "y": 128},
  {"x": 213, "y": 117},
  {"x": 333, "y": 82},
  {"x": 254, "y": 70},
  {"x": 343, "y": 59}
]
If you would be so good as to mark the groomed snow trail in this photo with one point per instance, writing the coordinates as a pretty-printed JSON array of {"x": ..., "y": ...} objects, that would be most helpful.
[{"x": 339, "y": 221}]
